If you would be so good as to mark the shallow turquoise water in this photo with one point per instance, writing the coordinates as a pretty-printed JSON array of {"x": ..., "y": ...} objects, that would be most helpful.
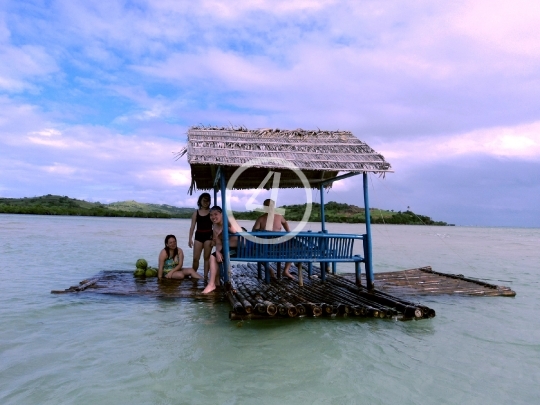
[{"x": 87, "y": 348}]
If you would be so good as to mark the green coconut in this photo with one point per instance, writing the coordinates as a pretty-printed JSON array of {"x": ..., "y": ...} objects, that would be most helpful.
[
  {"x": 139, "y": 272},
  {"x": 141, "y": 264},
  {"x": 151, "y": 273}
]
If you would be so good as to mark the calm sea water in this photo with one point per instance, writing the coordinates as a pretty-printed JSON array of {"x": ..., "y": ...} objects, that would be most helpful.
[{"x": 88, "y": 349}]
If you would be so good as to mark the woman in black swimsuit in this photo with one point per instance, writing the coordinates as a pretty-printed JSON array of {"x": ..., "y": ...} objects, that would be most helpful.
[{"x": 203, "y": 235}]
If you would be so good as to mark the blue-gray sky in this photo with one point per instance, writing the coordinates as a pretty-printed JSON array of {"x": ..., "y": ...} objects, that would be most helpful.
[{"x": 95, "y": 96}]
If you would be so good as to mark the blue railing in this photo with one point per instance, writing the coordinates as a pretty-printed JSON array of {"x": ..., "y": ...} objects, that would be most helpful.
[{"x": 304, "y": 247}]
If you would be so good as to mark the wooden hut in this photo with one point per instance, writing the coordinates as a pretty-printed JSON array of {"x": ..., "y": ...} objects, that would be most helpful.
[{"x": 320, "y": 157}]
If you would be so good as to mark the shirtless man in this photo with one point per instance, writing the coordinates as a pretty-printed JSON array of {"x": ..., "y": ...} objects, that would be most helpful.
[
  {"x": 216, "y": 216},
  {"x": 264, "y": 224}
]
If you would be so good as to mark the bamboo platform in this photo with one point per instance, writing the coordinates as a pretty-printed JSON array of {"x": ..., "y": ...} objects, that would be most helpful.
[
  {"x": 251, "y": 298},
  {"x": 425, "y": 281},
  {"x": 117, "y": 282}
]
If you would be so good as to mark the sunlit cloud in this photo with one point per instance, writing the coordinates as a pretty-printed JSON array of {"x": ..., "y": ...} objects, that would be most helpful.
[
  {"x": 23, "y": 65},
  {"x": 59, "y": 169},
  {"x": 521, "y": 142},
  {"x": 48, "y": 132},
  {"x": 510, "y": 26},
  {"x": 177, "y": 177}
]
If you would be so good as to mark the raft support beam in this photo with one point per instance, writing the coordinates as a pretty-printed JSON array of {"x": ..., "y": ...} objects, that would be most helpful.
[
  {"x": 368, "y": 251},
  {"x": 226, "y": 257}
]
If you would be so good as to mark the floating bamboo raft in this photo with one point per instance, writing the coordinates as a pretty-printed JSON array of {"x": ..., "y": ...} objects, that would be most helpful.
[
  {"x": 117, "y": 282},
  {"x": 252, "y": 298},
  {"x": 425, "y": 281}
]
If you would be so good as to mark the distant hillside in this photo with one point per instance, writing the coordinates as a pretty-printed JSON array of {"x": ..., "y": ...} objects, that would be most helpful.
[
  {"x": 334, "y": 212},
  {"x": 134, "y": 206},
  {"x": 58, "y": 205},
  {"x": 345, "y": 213}
]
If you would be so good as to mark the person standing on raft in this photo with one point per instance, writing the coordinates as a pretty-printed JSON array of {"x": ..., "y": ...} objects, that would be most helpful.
[
  {"x": 203, "y": 235},
  {"x": 216, "y": 215},
  {"x": 171, "y": 260},
  {"x": 272, "y": 221}
]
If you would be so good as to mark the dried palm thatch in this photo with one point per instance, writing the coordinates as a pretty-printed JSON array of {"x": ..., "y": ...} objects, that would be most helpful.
[{"x": 320, "y": 155}]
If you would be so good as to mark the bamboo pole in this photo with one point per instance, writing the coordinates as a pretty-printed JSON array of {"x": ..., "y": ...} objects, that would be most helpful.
[
  {"x": 302, "y": 305},
  {"x": 335, "y": 306},
  {"x": 247, "y": 305},
  {"x": 236, "y": 305},
  {"x": 233, "y": 316},
  {"x": 385, "y": 299}
]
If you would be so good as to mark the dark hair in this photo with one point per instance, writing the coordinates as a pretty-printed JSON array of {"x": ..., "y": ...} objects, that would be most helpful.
[
  {"x": 167, "y": 248},
  {"x": 216, "y": 208},
  {"x": 203, "y": 195}
]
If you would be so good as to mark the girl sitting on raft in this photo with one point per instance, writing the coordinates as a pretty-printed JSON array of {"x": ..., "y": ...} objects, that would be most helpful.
[
  {"x": 171, "y": 260},
  {"x": 203, "y": 234},
  {"x": 216, "y": 216}
]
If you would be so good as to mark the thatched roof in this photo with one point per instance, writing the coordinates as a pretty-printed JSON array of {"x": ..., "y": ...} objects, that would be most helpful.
[{"x": 320, "y": 155}]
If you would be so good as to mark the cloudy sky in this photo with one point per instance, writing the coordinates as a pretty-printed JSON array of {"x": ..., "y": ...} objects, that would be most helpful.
[{"x": 95, "y": 96}]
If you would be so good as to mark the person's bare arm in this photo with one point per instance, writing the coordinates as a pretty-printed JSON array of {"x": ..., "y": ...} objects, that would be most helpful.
[
  {"x": 257, "y": 225},
  {"x": 161, "y": 263},
  {"x": 192, "y": 229},
  {"x": 285, "y": 224},
  {"x": 233, "y": 239},
  {"x": 180, "y": 258},
  {"x": 217, "y": 234},
  {"x": 233, "y": 226},
  {"x": 219, "y": 247}
]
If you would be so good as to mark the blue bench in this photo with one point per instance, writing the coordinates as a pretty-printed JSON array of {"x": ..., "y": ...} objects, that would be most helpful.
[{"x": 304, "y": 247}]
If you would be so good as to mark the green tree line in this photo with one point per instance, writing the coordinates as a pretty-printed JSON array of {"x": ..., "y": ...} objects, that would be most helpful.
[
  {"x": 334, "y": 212},
  {"x": 39, "y": 209},
  {"x": 345, "y": 213}
]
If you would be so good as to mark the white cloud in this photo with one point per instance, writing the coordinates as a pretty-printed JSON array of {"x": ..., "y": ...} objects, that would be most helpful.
[
  {"x": 48, "y": 132},
  {"x": 60, "y": 169},
  {"x": 176, "y": 177},
  {"x": 54, "y": 143},
  {"x": 81, "y": 157},
  {"x": 508, "y": 26},
  {"x": 520, "y": 141},
  {"x": 23, "y": 65}
]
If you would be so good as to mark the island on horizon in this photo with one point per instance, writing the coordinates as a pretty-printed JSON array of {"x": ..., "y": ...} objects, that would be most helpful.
[{"x": 334, "y": 212}]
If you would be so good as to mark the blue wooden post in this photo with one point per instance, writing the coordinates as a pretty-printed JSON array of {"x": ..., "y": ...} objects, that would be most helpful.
[
  {"x": 267, "y": 272},
  {"x": 225, "y": 234},
  {"x": 323, "y": 228},
  {"x": 334, "y": 267},
  {"x": 310, "y": 269},
  {"x": 323, "y": 271},
  {"x": 366, "y": 260},
  {"x": 217, "y": 184},
  {"x": 358, "y": 270},
  {"x": 369, "y": 253},
  {"x": 259, "y": 270},
  {"x": 323, "y": 225}
]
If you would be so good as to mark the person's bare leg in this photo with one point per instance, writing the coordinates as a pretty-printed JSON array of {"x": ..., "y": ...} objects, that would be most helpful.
[
  {"x": 286, "y": 272},
  {"x": 191, "y": 272},
  {"x": 217, "y": 281},
  {"x": 178, "y": 275},
  {"x": 197, "y": 249},
  {"x": 206, "y": 254},
  {"x": 213, "y": 274}
]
